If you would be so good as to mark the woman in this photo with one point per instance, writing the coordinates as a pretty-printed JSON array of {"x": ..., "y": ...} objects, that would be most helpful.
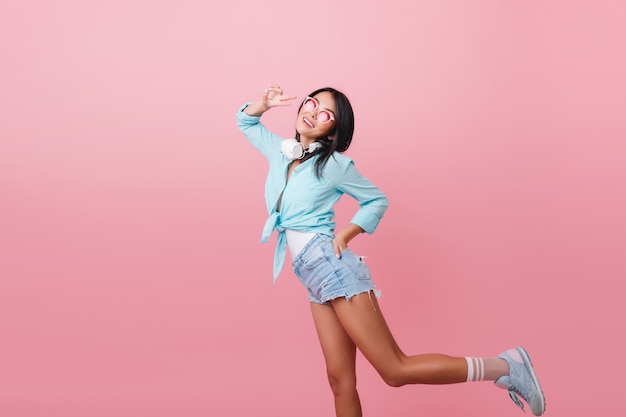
[{"x": 307, "y": 176}]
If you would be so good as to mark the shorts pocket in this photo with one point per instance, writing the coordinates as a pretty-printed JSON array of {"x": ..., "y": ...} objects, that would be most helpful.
[
  {"x": 357, "y": 265},
  {"x": 313, "y": 258}
]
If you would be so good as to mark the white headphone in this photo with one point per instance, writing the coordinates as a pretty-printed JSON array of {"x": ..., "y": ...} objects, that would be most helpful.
[{"x": 293, "y": 149}]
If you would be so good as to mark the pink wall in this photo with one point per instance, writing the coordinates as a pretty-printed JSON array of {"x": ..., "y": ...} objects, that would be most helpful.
[{"x": 132, "y": 280}]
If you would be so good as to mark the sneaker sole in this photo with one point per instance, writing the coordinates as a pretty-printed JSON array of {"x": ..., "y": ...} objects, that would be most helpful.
[{"x": 529, "y": 365}]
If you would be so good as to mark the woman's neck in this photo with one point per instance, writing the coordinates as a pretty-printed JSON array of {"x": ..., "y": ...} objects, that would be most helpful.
[{"x": 306, "y": 141}]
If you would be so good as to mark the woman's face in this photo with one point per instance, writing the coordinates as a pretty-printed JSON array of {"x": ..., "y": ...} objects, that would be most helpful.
[{"x": 317, "y": 117}]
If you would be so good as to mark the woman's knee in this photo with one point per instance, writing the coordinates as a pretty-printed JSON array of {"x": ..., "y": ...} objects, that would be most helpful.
[
  {"x": 342, "y": 382},
  {"x": 393, "y": 380},
  {"x": 392, "y": 375}
]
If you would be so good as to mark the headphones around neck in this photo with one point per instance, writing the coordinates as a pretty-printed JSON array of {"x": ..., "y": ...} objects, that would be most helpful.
[{"x": 293, "y": 149}]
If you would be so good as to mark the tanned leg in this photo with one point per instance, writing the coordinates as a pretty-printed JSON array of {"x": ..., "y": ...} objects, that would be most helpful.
[
  {"x": 362, "y": 320},
  {"x": 340, "y": 355}
]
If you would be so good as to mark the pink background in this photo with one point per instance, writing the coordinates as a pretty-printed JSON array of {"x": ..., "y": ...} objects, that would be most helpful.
[{"x": 132, "y": 278}]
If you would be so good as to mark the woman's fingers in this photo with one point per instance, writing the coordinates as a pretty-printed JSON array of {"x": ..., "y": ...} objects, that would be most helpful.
[
  {"x": 273, "y": 96},
  {"x": 273, "y": 89},
  {"x": 338, "y": 248},
  {"x": 285, "y": 100}
]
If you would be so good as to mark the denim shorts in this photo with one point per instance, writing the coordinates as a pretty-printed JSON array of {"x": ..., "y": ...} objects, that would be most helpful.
[{"x": 325, "y": 277}]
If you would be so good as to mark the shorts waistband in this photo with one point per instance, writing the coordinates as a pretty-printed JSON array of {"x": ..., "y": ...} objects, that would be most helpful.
[{"x": 317, "y": 240}]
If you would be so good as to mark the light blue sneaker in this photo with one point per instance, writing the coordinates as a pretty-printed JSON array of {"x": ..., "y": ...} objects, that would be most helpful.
[{"x": 522, "y": 381}]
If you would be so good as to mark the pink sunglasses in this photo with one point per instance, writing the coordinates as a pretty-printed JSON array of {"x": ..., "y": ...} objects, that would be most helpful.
[{"x": 323, "y": 116}]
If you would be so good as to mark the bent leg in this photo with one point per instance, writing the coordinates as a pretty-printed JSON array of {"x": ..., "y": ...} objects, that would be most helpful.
[
  {"x": 362, "y": 320},
  {"x": 340, "y": 355}
]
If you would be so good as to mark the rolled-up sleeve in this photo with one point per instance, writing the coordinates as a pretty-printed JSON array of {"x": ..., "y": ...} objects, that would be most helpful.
[{"x": 372, "y": 201}]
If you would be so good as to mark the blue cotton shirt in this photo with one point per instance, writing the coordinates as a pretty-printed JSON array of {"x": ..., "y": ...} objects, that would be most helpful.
[{"x": 307, "y": 201}]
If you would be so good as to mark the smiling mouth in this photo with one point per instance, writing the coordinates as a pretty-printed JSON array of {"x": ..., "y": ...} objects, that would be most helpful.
[{"x": 307, "y": 122}]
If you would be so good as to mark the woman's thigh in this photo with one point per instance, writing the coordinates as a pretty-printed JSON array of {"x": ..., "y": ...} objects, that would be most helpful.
[
  {"x": 362, "y": 320},
  {"x": 338, "y": 348}
]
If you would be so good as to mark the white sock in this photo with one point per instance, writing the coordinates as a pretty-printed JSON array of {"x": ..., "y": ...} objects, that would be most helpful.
[{"x": 475, "y": 369}]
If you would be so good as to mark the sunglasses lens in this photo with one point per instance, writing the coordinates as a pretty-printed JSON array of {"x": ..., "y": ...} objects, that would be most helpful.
[
  {"x": 323, "y": 116},
  {"x": 310, "y": 104}
]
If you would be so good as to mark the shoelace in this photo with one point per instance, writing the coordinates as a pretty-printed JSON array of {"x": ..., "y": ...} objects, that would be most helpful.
[{"x": 516, "y": 399}]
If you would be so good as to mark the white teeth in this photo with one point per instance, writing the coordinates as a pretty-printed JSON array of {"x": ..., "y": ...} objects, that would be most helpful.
[{"x": 307, "y": 122}]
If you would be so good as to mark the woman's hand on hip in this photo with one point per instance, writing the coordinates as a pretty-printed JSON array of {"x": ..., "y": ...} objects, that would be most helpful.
[{"x": 340, "y": 242}]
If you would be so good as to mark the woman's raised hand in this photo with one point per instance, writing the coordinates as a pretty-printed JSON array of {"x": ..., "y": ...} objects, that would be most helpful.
[{"x": 273, "y": 97}]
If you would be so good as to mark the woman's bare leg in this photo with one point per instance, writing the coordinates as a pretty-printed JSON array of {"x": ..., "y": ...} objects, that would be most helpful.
[
  {"x": 359, "y": 323},
  {"x": 340, "y": 355},
  {"x": 362, "y": 320}
]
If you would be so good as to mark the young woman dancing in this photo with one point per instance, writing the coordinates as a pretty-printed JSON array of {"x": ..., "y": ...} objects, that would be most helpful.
[{"x": 307, "y": 176}]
